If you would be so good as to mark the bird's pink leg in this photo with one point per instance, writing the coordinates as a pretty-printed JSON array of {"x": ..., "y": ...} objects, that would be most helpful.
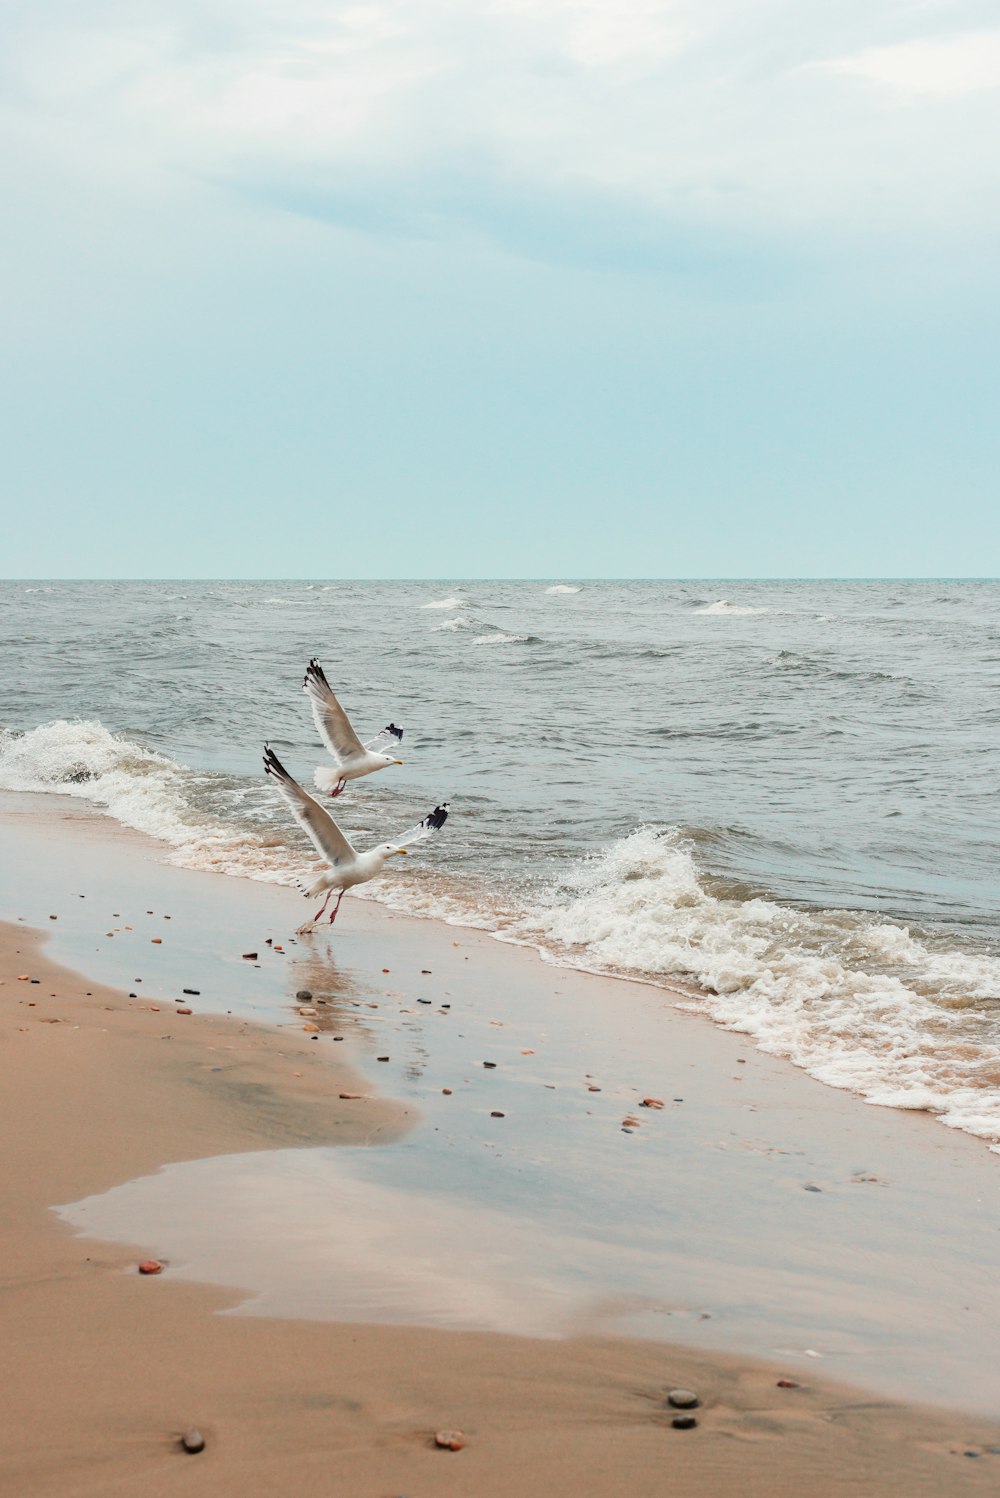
[
  {"x": 338, "y": 788},
  {"x": 325, "y": 903},
  {"x": 333, "y": 913}
]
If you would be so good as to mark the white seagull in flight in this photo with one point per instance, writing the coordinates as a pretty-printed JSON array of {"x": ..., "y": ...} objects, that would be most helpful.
[
  {"x": 354, "y": 759},
  {"x": 342, "y": 866}
]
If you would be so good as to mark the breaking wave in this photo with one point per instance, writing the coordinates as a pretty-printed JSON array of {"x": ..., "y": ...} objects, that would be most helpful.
[{"x": 905, "y": 1019}]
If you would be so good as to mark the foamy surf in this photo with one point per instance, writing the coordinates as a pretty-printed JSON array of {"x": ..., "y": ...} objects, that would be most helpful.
[
  {"x": 859, "y": 1001},
  {"x": 723, "y": 606},
  {"x": 855, "y": 1000},
  {"x": 445, "y": 603},
  {"x": 563, "y": 588}
]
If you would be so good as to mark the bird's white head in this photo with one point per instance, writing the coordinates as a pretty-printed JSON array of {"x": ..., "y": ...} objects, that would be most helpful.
[
  {"x": 386, "y": 850},
  {"x": 387, "y": 759}
]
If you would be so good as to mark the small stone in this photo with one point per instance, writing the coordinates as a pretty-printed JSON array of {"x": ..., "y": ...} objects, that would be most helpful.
[
  {"x": 651, "y": 1102},
  {"x": 305, "y": 994},
  {"x": 195, "y": 991},
  {"x": 53, "y": 917},
  {"x": 23, "y": 977},
  {"x": 352, "y": 1097},
  {"x": 788, "y": 1383},
  {"x": 817, "y": 1189},
  {"x": 446, "y": 1091},
  {"x": 592, "y": 1088},
  {"x": 423, "y": 1001},
  {"x": 449, "y": 1440},
  {"x": 490, "y": 1065},
  {"x": 150, "y": 1266},
  {"x": 184, "y": 1010},
  {"x": 425, "y": 972},
  {"x": 385, "y": 970},
  {"x": 684, "y": 1422},
  {"x": 496, "y": 1113},
  {"x": 276, "y": 948},
  {"x": 192, "y": 1440},
  {"x": 249, "y": 956},
  {"x": 381, "y": 1058},
  {"x": 156, "y": 941},
  {"x": 683, "y": 1399}
]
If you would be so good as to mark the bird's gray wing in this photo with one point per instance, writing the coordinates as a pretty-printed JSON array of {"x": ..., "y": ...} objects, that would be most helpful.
[
  {"x": 388, "y": 740},
  {"x": 333, "y": 723},
  {"x": 322, "y": 830}
]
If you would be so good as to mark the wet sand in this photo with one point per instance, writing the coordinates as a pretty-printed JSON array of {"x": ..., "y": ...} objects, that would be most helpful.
[{"x": 104, "y": 1368}]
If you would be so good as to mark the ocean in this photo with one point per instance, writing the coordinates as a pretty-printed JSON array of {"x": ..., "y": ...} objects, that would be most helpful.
[{"x": 780, "y": 797}]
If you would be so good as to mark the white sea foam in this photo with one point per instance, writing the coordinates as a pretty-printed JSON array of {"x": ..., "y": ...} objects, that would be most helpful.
[
  {"x": 723, "y": 606},
  {"x": 563, "y": 588},
  {"x": 497, "y": 637},
  {"x": 445, "y": 603},
  {"x": 855, "y": 1000},
  {"x": 451, "y": 625},
  {"x": 859, "y": 1001},
  {"x": 140, "y": 789}
]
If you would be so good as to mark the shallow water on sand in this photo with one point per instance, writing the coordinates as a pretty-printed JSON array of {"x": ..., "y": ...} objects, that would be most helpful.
[{"x": 782, "y": 793}]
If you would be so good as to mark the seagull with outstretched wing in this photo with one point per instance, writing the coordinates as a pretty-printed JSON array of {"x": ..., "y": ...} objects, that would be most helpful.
[
  {"x": 343, "y": 866},
  {"x": 354, "y": 758}
]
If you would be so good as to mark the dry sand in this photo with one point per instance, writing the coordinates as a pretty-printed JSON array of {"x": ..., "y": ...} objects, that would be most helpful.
[{"x": 104, "y": 1368}]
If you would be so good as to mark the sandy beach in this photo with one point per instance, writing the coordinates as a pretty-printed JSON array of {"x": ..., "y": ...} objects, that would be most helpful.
[{"x": 106, "y": 1368}]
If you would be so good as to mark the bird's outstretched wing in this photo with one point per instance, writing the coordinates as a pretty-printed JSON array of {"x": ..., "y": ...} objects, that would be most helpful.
[
  {"x": 333, "y": 723},
  {"x": 431, "y": 824},
  {"x": 325, "y": 835},
  {"x": 390, "y": 738}
]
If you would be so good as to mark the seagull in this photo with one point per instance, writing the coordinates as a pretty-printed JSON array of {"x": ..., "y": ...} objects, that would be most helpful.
[
  {"x": 353, "y": 758},
  {"x": 342, "y": 866}
]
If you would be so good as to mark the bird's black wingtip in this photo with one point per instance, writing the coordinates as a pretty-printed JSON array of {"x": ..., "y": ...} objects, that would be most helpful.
[
  {"x": 272, "y": 764},
  {"x": 437, "y": 818},
  {"x": 314, "y": 672}
]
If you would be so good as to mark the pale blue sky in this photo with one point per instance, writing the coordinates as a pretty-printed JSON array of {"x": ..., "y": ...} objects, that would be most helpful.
[{"x": 519, "y": 288}]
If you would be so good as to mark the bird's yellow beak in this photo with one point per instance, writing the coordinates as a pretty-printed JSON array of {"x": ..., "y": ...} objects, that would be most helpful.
[
  {"x": 397, "y": 761},
  {"x": 404, "y": 851}
]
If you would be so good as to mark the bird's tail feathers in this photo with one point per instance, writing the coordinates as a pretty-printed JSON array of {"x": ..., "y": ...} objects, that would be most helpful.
[{"x": 326, "y": 781}]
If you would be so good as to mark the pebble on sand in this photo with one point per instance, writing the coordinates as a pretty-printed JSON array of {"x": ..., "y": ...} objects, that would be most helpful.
[
  {"x": 156, "y": 941},
  {"x": 684, "y": 1422},
  {"x": 195, "y": 991},
  {"x": 651, "y": 1102},
  {"x": 446, "y": 1091},
  {"x": 305, "y": 994},
  {"x": 183, "y": 1010},
  {"x": 249, "y": 956},
  {"x": 192, "y": 1440},
  {"x": 449, "y": 1440},
  {"x": 683, "y": 1399},
  {"x": 496, "y": 1113},
  {"x": 150, "y": 1266},
  {"x": 788, "y": 1383}
]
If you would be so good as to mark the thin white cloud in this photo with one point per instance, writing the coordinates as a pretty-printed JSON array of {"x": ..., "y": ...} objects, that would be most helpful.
[
  {"x": 718, "y": 116},
  {"x": 938, "y": 67}
]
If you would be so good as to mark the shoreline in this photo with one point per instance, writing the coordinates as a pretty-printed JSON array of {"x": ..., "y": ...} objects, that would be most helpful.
[{"x": 102, "y": 1107}]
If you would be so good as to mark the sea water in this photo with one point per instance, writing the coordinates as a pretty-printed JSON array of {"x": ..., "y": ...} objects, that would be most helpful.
[{"x": 781, "y": 796}]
